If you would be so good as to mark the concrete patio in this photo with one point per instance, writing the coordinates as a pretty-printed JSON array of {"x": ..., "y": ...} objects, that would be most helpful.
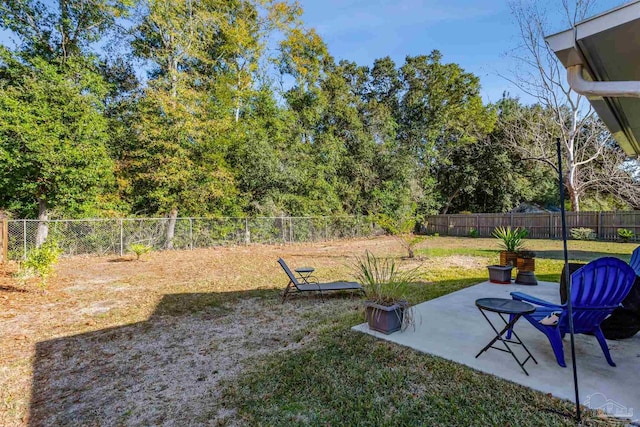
[{"x": 452, "y": 327}]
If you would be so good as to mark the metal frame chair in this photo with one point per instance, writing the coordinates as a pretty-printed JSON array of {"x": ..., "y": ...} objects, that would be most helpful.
[{"x": 295, "y": 286}]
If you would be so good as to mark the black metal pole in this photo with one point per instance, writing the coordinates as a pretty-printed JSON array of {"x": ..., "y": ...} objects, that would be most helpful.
[{"x": 568, "y": 279}]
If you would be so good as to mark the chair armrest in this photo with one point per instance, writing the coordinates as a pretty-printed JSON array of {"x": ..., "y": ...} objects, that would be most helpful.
[{"x": 519, "y": 296}]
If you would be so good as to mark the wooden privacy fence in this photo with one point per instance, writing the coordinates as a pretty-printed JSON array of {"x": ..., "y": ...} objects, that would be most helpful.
[{"x": 546, "y": 225}]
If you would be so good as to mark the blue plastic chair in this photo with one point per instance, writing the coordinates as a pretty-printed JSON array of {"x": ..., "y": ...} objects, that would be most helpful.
[
  {"x": 596, "y": 290},
  {"x": 635, "y": 260}
]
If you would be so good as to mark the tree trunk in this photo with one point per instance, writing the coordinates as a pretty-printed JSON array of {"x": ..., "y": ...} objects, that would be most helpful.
[
  {"x": 574, "y": 198},
  {"x": 411, "y": 253},
  {"x": 171, "y": 228},
  {"x": 43, "y": 225}
]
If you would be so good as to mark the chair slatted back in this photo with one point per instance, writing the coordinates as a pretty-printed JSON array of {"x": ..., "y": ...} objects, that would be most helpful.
[
  {"x": 286, "y": 269},
  {"x": 596, "y": 290}
]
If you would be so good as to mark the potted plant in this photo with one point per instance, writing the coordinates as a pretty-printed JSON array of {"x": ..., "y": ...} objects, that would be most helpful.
[
  {"x": 500, "y": 274},
  {"x": 511, "y": 241},
  {"x": 386, "y": 308},
  {"x": 526, "y": 261}
]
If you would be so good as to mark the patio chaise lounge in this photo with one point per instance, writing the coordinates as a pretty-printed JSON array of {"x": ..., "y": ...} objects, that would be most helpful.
[
  {"x": 596, "y": 290},
  {"x": 313, "y": 286}
]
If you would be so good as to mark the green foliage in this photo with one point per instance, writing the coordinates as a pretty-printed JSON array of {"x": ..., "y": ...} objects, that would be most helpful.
[
  {"x": 625, "y": 234},
  {"x": 474, "y": 233},
  {"x": 583, "y": 233},
  {"x": 52, "y": 136},
  {"x": 402, "y": 228},
  {"x": 526, "y": 254},
  {"x": 511, "y": 240},
  {"x": 211, "y": 132},
  {"x": 40, "y": 262},
  {"x": 139, "y": 249}
]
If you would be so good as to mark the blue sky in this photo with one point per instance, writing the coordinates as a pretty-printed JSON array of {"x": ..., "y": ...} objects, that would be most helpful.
[{"x": 477, "y": 34}]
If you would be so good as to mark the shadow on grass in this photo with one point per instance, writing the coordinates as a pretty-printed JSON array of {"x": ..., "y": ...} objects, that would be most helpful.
[
  {"x": 89, "y": 378},
  {"x": 159, "y": 371},
  {"x": 580, "y": 255}
]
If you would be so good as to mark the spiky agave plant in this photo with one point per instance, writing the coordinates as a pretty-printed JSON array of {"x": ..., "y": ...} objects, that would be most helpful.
[{"x": 511, "y": 240}]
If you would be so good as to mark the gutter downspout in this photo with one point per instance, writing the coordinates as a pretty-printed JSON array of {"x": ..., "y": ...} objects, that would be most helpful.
[{"x": 623, "y": 89}]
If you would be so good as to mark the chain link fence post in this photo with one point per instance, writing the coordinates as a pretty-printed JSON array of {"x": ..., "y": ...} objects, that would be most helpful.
[
  {"x": 283, "y": 231},
  {"x": 24, "y": 238},
  {"x": 121, "y": 238}
]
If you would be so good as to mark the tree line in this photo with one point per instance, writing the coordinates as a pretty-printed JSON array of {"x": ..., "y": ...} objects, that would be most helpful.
[{"x": 235, "y": 107}]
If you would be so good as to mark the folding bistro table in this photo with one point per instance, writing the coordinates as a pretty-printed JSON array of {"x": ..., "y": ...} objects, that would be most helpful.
[
  {"x": 515, "y": 310},
  {"x": 305, "y": 273}
]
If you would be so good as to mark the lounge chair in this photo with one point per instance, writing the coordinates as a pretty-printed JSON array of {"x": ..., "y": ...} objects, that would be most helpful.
[
  {"x": 597, "y": 289},
  {"x": 313, "y": 286}
]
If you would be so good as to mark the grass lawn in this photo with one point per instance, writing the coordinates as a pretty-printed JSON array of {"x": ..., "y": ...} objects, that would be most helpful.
[{"x": 200, "y": 338}]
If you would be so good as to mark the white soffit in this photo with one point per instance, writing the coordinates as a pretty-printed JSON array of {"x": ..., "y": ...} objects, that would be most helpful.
[{"x": 608, "y": 48}]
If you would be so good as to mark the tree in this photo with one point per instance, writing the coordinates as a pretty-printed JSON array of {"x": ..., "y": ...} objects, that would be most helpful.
[
  {"x": 52, "y": 126},
  {"x": 440, "y": 108},
  {"x": 52, "y": 138},
  {"x": 572, "y": 120},
  {"x": 166, "y": 169}
]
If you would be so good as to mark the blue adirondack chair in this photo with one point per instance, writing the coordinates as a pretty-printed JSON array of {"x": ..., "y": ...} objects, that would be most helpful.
[
  {"x": 635, "y": 260},
  {"x": 596, "y": 290}
]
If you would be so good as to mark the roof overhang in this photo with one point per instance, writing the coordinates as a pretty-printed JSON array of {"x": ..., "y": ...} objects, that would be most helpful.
[{"x": 606, "y": 48}]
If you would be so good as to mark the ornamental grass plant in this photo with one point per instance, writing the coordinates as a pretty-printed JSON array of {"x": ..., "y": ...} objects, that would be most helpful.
[{"x": 383, "y": 281}]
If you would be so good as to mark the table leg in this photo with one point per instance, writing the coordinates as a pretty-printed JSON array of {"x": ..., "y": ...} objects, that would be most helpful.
[{"x": 498, "y": 337}]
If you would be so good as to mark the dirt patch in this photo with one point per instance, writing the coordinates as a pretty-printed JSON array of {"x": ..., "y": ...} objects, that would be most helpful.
[{"x": 464, "y": 261}]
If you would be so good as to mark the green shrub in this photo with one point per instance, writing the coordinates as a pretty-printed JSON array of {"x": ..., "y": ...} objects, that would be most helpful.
[
  {"x": 139, "y": 249},
  {"x": 583, "y": 233},
  {"x": 40, "y": 262},
  {"x": 510, "y": 240},
  {"x": 625, "y": 234},
  {"x": 474, "y": 233}
]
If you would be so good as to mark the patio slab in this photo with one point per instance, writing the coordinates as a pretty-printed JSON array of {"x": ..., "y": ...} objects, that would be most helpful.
[{"x": 453, "y": 328}]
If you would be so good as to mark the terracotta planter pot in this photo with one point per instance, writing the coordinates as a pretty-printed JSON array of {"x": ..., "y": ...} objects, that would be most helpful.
[
  {"x": 526, "y": 264},
  {"x": 508, "y": 258},
  {"x": 385, "y": 319}
]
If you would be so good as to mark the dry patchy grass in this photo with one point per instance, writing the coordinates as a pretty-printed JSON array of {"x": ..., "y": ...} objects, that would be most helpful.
[{"x": 116, "y": 341}]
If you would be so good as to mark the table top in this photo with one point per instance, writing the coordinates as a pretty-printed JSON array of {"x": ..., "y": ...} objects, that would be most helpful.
[
  {"x": 503, "y": 305},
  {"x": 305, "y": 270}
]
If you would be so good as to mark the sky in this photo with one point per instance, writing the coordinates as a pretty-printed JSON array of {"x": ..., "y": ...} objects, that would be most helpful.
[{"x": 476, "y": 34}]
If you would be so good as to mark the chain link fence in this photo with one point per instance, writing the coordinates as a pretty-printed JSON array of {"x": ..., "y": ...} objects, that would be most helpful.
[{"x": 113, "y": 236}]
